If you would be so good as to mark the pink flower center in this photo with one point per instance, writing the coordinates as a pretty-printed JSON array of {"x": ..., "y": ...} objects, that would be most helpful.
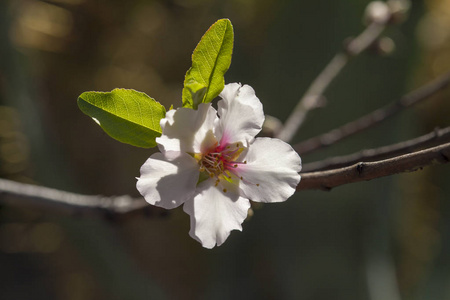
[{"x": 221, "y": 161}]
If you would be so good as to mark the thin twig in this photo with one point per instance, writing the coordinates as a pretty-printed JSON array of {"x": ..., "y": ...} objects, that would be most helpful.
[
  {"x": 374, "y": 117},
  {"x": 314, "y": 95},
  {"x": 26, "y": 195},
  {"x": 363, "y": 171},
  {"x": 436, "y": 137}
]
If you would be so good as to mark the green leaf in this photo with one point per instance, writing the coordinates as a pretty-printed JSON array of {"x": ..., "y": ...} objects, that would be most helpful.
[
  {"x": 210, "y": 61},
  {"x": 129, "y": 116}
]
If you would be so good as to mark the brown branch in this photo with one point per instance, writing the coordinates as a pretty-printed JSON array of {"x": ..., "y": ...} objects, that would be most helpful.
[
  {"x": 313, "y": 97},
  {"x": 363, "y": 171},
  {"x": 27, "y": 195},
  {"x": 438, "y": 136},
  {"x": 374, "y": 117}
]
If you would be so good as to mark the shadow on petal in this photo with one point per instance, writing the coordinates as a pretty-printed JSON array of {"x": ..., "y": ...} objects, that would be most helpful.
[
  {"x": 168, "y": 180},
  {"x": 214, "y": 213}
]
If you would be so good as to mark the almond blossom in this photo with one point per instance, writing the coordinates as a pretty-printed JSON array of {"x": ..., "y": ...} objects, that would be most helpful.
[{"x": 211, "y": 162}]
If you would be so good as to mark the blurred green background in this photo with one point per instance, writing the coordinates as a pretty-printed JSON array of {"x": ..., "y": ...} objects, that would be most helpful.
[{"x": 379, "y": 240}]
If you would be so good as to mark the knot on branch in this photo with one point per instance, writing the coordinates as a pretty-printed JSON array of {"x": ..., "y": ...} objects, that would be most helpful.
[
  {"x": 437, "y": 132},
  {"x": 360, "y": 168}
]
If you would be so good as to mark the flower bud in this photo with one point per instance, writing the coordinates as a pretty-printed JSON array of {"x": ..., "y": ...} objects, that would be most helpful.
[
  {"x": 377, "y": 12},
  {"x": 383, "y": 46},
  {"x": 399, "y": 10}
]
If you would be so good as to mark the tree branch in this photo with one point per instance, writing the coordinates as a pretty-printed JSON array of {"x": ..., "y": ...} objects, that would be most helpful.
[
  {"x": 438, "y": 136},
  {"x": 363, "y": 171},
  {"x": 313, "y": 98},
  {"x": 26, "y": 195},
  {"x": 374, "y": 117}
]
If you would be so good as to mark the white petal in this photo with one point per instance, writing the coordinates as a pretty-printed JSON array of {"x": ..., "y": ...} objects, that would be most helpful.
[
  {"x": 168, "y": 180},
  {"x": 241, "y": 114},
  {"x": 271, "y": 171},
  {"x": 214, "y": 213},
  {"x": 188, "y": 130}
]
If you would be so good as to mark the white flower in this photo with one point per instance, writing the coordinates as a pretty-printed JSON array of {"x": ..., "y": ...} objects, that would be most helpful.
[{"x": 214, "y": 165}]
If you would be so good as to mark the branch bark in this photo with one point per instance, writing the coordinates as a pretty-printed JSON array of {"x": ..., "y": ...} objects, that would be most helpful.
[
  {"x": 438, "y": 136},
  {"x": 363, "y": 171},
  {"x": 373, "y": 118},
  {"x": 27, "y": 195}
]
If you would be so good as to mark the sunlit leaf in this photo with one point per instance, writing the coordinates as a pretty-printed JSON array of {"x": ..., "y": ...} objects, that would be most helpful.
[
  {"x": 128, "y": 116},
  {"x": 210, "y": 61}
]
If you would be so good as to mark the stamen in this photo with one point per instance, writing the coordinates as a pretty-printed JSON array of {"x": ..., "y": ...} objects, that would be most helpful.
[
  {"x": 208, "y": 159},
  {"x": 224, "y": 190},
  {"x": 248, "y": 182},
  {"x": 221, "y": 162}
]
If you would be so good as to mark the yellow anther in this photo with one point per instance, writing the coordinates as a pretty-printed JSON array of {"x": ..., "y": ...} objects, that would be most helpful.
[{"x": 224, "y": 190}]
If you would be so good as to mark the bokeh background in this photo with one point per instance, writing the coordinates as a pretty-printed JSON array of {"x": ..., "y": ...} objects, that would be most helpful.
[{"x": 379, "y": 240}]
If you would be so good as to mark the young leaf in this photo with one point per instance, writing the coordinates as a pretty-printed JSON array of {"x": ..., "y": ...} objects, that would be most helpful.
[
  {"x": 210, "y": 60},
  {"x": 128, "y": 116}
]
